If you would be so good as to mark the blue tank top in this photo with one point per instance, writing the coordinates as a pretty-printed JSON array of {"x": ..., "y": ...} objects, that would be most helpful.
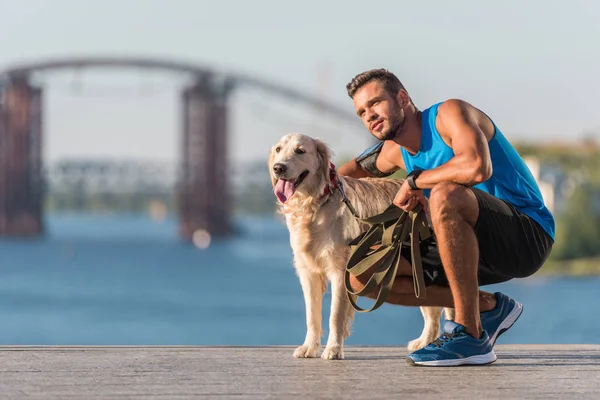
[{"x": 511, "y": 179}]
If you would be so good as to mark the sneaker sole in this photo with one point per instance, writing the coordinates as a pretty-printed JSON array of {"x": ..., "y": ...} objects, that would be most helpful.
[
  {"x": 480, "y": 359},
  {"x": 508, "y": 322}
]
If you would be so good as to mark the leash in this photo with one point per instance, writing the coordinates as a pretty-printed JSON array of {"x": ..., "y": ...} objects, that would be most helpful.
[
  {"x": 337, "y": 184},
  {"x": 380, "y": 248}
]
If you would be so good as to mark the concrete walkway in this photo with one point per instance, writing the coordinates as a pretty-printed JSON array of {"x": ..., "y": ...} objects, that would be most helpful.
[{"x": 521, "y": 372}]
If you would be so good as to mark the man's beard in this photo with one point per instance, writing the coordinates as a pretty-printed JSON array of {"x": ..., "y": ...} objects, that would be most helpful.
[{"x": 396, "y": 126}]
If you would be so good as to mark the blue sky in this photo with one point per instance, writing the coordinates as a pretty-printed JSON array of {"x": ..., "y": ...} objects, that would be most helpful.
[{"x": 532, "y": 66}]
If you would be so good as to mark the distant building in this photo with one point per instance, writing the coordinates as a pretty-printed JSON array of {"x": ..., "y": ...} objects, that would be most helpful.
[{"x": 554, "y": 183}]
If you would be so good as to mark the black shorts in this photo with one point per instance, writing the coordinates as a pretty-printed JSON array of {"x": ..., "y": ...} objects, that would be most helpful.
[{"x": 511, "y": 245}]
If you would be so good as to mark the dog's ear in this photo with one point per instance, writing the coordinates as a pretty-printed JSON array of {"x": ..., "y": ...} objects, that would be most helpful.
[
  {"x": 324, "y": 155},
  {"x": 270, "y": 162}
]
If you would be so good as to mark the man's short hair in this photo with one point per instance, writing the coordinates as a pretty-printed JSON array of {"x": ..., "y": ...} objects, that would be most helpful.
[{"x": 390, "y": 82}]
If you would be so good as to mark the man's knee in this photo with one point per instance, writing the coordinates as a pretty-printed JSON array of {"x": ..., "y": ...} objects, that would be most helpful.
[
  {"x": 449, "y": 200},
  {"x": 449, "y": 194}
]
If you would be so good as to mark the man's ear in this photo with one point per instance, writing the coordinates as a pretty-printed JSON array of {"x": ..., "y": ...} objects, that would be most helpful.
[
  {"x": 324, "y": 155},
  {"x": 270, "y": 162},
  {"x": 402, "y": 98}
]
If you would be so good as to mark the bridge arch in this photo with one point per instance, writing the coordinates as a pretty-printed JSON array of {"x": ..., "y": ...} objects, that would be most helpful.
[{"x": 202, "y": 188}]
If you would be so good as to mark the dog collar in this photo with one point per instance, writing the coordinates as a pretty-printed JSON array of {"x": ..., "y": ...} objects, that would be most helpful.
[{"x": 334, "y": 183}]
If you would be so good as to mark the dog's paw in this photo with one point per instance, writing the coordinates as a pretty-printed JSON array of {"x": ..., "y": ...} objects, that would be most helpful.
[
  {"x": 305, "y": 351},
  {"x": 335, "y": 352},
  {"x": 417, "y": 344}
]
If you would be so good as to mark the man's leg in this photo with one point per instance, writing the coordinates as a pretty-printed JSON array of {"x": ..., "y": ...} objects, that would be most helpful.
[
  {"x": 454, "y": 212},
  {"x": 402, "y": 292},
  {"x": 511, "y": 245},
  {"x": 504, "y": 243}
]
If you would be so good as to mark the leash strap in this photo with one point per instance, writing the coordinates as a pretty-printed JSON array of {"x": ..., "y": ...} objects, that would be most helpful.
[
  {"x": 379, "y": 249},
  {"x": 337, "y": 184}
]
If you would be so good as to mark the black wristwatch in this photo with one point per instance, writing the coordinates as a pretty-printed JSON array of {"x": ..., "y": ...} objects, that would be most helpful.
[{"x": 411, "y": 178}]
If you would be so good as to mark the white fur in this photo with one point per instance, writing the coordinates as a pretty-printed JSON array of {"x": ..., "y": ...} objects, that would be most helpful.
[{"x": 320, "y": 229}]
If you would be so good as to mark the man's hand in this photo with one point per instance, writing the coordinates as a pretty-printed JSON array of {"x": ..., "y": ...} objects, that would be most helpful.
[{"x": 407, "y": 199}]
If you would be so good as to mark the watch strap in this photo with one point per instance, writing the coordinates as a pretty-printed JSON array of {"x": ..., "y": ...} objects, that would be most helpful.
[{"x": 411, "y": 179}]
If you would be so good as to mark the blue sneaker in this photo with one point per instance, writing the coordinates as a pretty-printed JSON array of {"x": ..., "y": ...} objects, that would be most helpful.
[
  {"x": 501, "y": 318},
  {"x": 454, "y": 347}
]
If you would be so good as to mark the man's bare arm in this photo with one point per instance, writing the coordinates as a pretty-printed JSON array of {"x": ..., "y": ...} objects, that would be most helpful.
[{"x": 471, "y": 163}]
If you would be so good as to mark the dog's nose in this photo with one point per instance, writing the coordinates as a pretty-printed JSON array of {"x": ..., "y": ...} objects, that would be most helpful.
[{"x": 279, "y": 168}]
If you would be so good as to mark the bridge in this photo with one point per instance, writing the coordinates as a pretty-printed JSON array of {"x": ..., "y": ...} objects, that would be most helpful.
[{"x": 202, "y": 187}]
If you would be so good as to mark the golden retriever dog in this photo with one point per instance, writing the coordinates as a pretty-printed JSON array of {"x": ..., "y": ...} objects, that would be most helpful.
[{"x": 321, "y": 227}]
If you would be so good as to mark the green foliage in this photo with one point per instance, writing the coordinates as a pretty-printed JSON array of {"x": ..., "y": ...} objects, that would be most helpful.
[
  {"x": 576, "y": 267},
  {"x": 578, "y": 228}
]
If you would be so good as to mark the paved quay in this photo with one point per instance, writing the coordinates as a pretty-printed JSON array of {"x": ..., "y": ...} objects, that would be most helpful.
[{"x": 521, "y": 372}]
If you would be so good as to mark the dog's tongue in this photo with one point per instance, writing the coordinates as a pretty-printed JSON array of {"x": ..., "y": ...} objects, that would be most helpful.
[{"x": 284, "y": 190}]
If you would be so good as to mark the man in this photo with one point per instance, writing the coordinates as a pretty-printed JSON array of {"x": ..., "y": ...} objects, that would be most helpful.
[{"x": 488, "y": 217}]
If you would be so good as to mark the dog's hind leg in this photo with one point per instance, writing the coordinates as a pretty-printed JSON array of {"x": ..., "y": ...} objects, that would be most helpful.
[
  {"x": 313, "y": 288},
  {"x": 431, "y": 328},
  {"x": 340, "y": 318},
  {"x": 449, "y": 313}
]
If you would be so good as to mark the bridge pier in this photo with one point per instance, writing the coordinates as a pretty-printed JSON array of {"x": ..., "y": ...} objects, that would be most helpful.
[
  {"x": 203, "y": 190},
  {"x": 203, "y": 196},
  {"x": 21, "y": 181}
]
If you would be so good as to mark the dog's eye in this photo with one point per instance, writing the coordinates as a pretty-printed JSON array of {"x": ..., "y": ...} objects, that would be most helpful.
[
  {"x": 299, "y": 151},
  {"x": 277, "y": 149}
]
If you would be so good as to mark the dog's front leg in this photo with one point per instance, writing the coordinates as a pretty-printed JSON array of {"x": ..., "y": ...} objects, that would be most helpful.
[
  {"x": 339, "y": 319},
  {"x": 313, "y": 288}
]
